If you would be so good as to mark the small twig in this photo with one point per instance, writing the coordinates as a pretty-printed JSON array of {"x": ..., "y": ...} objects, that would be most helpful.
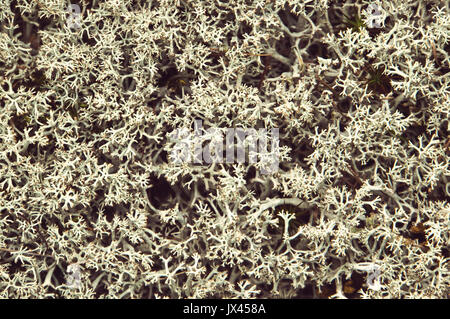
[
  {"x": 433, "y": 48},
  {"x": 44, "y": 7},
  {"x": 257, "y": 54},
  {"x": 356, "y": 175},
  {"x": 447, "y": 145},
  {"x": 266, "y": 70},
  {"x": 325, "y": 84}
]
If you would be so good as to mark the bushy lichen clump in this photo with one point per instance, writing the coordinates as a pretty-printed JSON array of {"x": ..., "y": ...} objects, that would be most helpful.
[{"x": 87, "y": 180}]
